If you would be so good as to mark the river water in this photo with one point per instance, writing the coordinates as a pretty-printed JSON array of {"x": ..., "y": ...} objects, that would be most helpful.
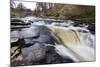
[{"x": 71, "y": 41}]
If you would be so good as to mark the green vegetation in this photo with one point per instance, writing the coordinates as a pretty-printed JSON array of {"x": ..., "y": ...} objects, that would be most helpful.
[
  {"x": 20, "y": 11},
  {"x": 57, "y": 11}
]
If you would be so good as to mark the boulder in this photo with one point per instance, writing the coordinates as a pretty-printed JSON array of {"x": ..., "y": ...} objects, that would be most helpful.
[{"x": 33, "y": 53}]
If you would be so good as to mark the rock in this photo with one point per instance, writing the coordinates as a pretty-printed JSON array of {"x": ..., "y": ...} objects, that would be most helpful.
[
  {"x": 15, "y": 51},
  {"x": 14, "y": 40},
  {"x": 53, "y": 58},
  {"x": 33, "y": 53},
  {"x": 17, "y": 61},
  {"x": 46, "y": 39},
  {"x": 91, "y": 27},
  {"x": 46, "y": 35},
  {"x": 29, "y": 32},
  {"x": 15, "y": 34}
]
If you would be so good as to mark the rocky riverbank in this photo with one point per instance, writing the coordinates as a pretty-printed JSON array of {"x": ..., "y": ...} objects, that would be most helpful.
[{"x": 47, "y": 41}]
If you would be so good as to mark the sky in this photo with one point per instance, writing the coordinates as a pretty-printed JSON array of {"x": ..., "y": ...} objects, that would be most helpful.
[{"x": 29, "y": 5}]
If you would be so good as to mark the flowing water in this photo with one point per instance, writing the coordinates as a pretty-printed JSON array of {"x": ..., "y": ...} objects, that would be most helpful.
[
  {"x": 78, "y": 45},
  {"x": 75, "y": 42}
]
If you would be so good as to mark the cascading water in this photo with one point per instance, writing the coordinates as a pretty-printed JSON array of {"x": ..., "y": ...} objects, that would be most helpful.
[
  {"x": 76, "y": 43},
  {"x": 79, "y": 43}
]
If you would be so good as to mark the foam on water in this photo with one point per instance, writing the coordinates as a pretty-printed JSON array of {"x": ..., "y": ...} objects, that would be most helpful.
[
  {"x": 82, "y": 51},
  {"x": 78, "y": 42}
]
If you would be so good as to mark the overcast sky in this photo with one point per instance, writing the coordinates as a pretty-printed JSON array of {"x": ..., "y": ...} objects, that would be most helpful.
[{"x": 29, "y": 5}]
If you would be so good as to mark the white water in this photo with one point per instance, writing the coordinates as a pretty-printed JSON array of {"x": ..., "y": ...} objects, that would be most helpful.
[{"x": 81, "y": 50}]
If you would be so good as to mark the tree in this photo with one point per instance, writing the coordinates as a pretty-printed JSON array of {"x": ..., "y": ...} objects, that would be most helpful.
[
  {"x": 21, "y": 6},
  {"x": 12, "y": 3}
]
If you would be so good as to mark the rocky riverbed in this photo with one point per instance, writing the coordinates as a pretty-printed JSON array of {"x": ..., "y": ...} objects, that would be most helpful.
[{"x": 50, "y": 41}]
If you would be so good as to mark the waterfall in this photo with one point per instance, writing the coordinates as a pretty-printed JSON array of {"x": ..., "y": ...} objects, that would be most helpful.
[{"x": 78, "y": 45}]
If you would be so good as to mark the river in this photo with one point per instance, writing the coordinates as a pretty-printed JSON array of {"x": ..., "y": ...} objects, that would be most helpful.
[{"x": 71, "y": 41}]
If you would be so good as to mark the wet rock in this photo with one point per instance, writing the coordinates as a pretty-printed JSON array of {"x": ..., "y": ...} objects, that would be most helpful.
[
  {"x": 18, "y": 43},
  {"x": 33, "y": 53},
  {"x": 46, "y": 39},
  {"x": 53, "y": 58},
  {"x": 29, "y": 32},
  {"x": 15, "y": 34},
  {"x": 46, "y": 35},
  {"x": 16, "y": 57},
  {"x": 91, "y": 27}
]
